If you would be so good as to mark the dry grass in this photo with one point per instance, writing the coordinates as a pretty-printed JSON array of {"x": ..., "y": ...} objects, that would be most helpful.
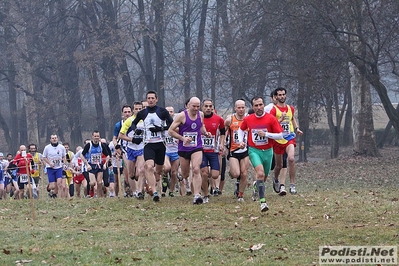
[{"x": 346, "y": 201}]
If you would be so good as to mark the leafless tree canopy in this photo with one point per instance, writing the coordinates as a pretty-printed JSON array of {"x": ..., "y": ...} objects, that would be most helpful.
[{"x": 67, "y": 66}]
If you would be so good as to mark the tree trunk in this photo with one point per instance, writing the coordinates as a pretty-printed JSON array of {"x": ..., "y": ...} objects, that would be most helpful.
[
  {"x": 385, "y": 134},
  {"x": 148, "y": 74},
  {"x": 334, "y": 128},
  {"x": 70, "y": 80},
  {"x": 236, "y": 78},
  {"x": 30, "y": 105},
  {"x": 98, "y": 100},
  {"x": 187, "y": 49},
  {"x": 31, "y": 134},
  {"x": 22, "y": 124},
  {"x": 199, "y": 61},
  {"x": 159, "y": 51},
  {"x": 127, "y": 82},
  {"x": 303, "y": 119},
  {"x": 69, "y": 76},
  {"x": 375, "y": 80},
  {"x": 347, "y": 135},
  {"x": 12, "y": 102},
  {"x": 214, "y": 46},
  {"x": 363, "y": 126},
  {"x": 109, "y": 73}
]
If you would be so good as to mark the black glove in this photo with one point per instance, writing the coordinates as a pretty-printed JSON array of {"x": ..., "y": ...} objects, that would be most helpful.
[
  {"x": 137, "y": 140},
  {"x": 156, "y": 129},
  {"x": 138, "y": 131}
]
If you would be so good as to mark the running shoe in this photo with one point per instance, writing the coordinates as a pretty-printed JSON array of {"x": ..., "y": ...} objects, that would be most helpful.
[
  {"x": 255, "y": 193},
  {"x": 165, "y": 183},
  {"x": 198, "y": 199},
  {"x": 237, "y": 189},
  {"x": 216, "y": 192},
  {"x": 155, "y": 197},
  {"x": 188, "y": 187},
  {"x": 206, "y": 199},
  {"x": 293, "y": 189},
  {"x": 276, "y": 185},
  {"x": 240, "y": 199},
  {"x": 264, "y": 207},
  {"x": 35, "y": 194},
  {"x": 282, "y": 192},
  {"x": 140, "y": 195}
]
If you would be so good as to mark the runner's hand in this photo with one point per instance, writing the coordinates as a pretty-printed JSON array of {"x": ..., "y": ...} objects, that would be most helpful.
[
  {"x": 155, "y": 129},
  {"x": 138, "y": 131}
]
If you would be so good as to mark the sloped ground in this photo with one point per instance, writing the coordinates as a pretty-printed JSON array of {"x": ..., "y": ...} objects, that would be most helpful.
[{"x": 350, "y": 171}]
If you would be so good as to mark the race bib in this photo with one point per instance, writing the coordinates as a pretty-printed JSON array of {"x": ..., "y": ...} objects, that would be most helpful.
[
  {"x": 286, "y": 126},
  {"x": 23, "y": 178},
  {"x": 95, "y": 158},
  {"x": 259, "y": 140},
  {"x": 193, "y": 136},
  {"x": 170, "y": 141},
  {"x": 235, "y": 137},
  {"x": 208, "y": 143},
  {"x": 154, "y": 136},
  {"x": 57, "y": 163}
]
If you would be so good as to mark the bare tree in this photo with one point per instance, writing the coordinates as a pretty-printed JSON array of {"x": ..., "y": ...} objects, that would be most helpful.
[
  {"x": 199, "y": 62},
  {"x": 366, "y": 30},
  {"x": 159, "y": 6}
]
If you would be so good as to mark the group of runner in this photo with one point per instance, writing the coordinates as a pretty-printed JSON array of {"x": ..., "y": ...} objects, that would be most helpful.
[{"x": 154, "y": 149}]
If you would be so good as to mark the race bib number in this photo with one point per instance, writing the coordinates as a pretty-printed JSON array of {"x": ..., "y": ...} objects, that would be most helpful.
[
  {"x": 23, "y": 178},
  {"x": 57, "y": 163},
  {"x": 193, "y": 136},
  {"x": 154, "y": 136},
  {"x": 235, "y": 137},
  {"x": 170, "y": 141},
  {"x": 257, "y": 139},
  {"x": 208, "y": 143},
  {"x": 95, "y": 158},
  {"x": 286, "y": 126}
]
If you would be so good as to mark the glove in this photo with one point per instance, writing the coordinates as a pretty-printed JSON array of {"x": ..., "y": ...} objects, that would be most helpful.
[
  {"x": 156, "y": 129},
  {"x": 137, "y": 140},
  {"x": 138, "y": 131}
]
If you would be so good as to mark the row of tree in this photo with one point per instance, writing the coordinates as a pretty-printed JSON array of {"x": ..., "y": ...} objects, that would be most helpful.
[{"x": 68, "y": 66}]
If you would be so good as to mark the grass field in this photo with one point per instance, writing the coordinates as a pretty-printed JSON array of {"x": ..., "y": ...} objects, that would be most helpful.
[{"x": 347, "y": 201}]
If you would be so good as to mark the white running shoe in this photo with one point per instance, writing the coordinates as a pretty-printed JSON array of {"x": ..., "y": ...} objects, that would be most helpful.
[
  {"x": 264, "y": 207},
  {"x": 205, "y": 199},
  {"x": 293, "y": 189},
  {"x": 282, "y": 192}
]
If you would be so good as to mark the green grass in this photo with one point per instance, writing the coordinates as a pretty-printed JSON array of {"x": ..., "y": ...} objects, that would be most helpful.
[{"x": 360, "y": 211}]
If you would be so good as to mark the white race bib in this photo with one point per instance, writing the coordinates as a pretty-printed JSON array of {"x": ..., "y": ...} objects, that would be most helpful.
[
  {"x": 258, "y": 140},
  {"x": 193, "y": 136},
  {"x": 23, "y": 178},
  {"x": 208, "y": 143},
  {"x": 57, "y": 163}
]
